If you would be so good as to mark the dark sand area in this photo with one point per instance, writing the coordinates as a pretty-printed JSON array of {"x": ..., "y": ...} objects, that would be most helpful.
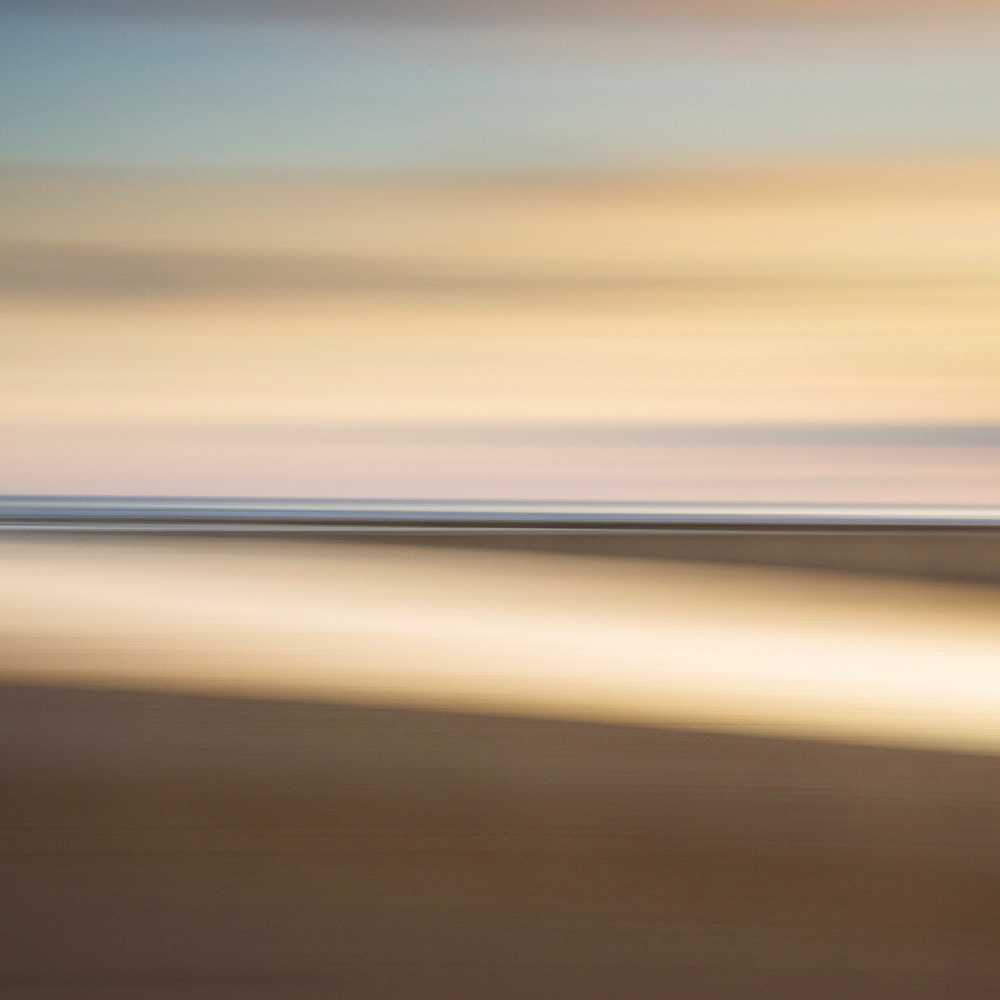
[{"x": 175, "y": 845}]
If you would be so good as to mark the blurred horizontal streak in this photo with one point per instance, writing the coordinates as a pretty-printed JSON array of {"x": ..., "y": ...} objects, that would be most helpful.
[
  {"x": 140, "y": 273},
  {"x": 185, "y": 332},
  {"x": 901, "y": 218},
  {"x": 881, "y": 464},
  {"x": 714, "y": 647},
  {"x": 114, "y": 513},
  {"x": 942, "y": 543}
]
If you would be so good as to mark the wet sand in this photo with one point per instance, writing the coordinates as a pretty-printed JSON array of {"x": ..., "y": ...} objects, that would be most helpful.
[
  {"x": 164, "y": 845},
  {"x": 781, "y": 651},
  {"x": 232, "y": 768}
]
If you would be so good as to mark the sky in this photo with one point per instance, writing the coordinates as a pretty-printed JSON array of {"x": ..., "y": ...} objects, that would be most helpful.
[
  {"x": 104, "y": 88},
  {"x": 224, "y": 270}
]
